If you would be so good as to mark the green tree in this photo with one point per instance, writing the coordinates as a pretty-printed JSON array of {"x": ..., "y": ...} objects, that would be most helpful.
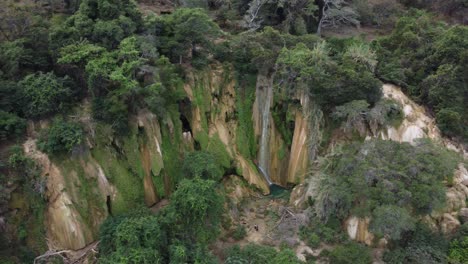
[
  {"x": 364, "y": 176},
  {"x": 351, "y": 253},
  {"x": 196, "y": 207},
  {"x": 391, "y": 221},
  {"x": 62, "y": 136},
  {"x": 202, "y": 164},
  {"x": 42, "y": 94},
  {"x": 186, "y": 34}
]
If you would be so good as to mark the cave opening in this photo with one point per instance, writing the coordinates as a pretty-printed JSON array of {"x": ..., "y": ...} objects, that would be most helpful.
[{"x": 185, "y": 124}]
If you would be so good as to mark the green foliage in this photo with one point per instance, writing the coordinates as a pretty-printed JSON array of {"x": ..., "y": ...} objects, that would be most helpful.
[
  {"x": 26, "y": 239},
  {"x": 43, "y": 94},
  {"x": 134, "y": 239},
  {"x": 351, "y": 253},
  {"x": 391, "y": 221},
  {"x": 253, "y": 253},
  {"x": 184, "y": 34},
  {"x": 104, "y": 22},
  {"x": 179, "y": 234},
  {"x": 363, "y": 176},
  {"x": 429, "y": 59},
  {"x": 202, "y": 164},
  {"x": 420, "y": 246},
  {"x": 239, "y": 233},
  {"x": 62, "y": 136},
  {"x": 458, "y": 250},
  {"x": 11, "y": 125},
  {"x": 245, "y": 138},
  {"x": 197, "y": 207},
  {"x": 331, "y": 82},
  {"x": 317, "y": 232}
]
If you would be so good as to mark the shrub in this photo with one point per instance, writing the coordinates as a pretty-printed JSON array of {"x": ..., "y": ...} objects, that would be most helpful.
[
  {"x": 419, "y": 246},
  {"x": 458, "y": 251},
  {"x": 391, "y": 221},
  {"x": 350, "y": 253},
  {"x": 62, "y": 136},
  {"x": 364, "y": 176},
  {"x": 239, "y": 233},
  {"x": 43, "y": 94},
  {"x": 202, "y": 164},
  {"x": 252, "y": 253},
  {"x": 11, "y": 125}
]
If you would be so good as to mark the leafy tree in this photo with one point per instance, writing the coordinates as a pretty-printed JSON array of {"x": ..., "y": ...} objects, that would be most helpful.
[
  {"x": 62, "y": 136},
  {"x": 422, "y": 245},
  {"x": 132, "y": 239},
  {"x": 196, "y": 207},
  {"x": 186, "y": 34},
  {"x": 363, "y": 177},
  {"x": 42, "y": 94},
  {"x": 351, "y": 253},
  {"x": 391, "y": 221},
  {"x": 331, "y": 82},
  {"x": 429, "y": 59},
  {"x": 202, "y": 164},
  {"x": 101, "y": 21}
]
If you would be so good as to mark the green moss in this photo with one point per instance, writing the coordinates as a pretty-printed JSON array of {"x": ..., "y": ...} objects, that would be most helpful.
[
  {"x": 245, "y": 136},
  {"x": 171, "y": 150},
  {"x": 87, "y": 197},
  {"x": 218, "y": 149},
  {"x": 130, "y": 189}
]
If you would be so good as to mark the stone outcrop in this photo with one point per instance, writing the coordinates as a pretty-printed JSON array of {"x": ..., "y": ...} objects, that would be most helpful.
[
  {"x": 65, "y": 225},
  {"x": 358, "y": 230}
]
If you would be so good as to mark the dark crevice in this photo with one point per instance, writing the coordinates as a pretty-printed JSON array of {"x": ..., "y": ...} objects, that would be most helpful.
[
  {"x": 196, "y": 145},
  {"x": 185, "y": 124},
  {"x": 109, "y": 205}
]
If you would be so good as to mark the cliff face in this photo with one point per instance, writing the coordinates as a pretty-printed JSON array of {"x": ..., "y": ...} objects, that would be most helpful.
[
  {"x": 282, "y": 164},
  {"x": 112, "y": 174}
]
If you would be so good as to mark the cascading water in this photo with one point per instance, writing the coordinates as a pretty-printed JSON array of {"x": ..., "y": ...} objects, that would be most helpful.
[{"x": 263, "y": 155}]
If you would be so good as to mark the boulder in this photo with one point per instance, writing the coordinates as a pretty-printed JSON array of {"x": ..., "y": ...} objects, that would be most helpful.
[
  {"x": 463, "y": 215},
  {"x": 449, "y": 224}
]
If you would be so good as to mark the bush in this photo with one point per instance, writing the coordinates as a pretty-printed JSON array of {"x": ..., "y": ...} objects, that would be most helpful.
[
  {"x": 62, "y": 136},
  {"x": 363, "y": 176},
  {"x": 42, "y": 94},
  {"x": 351, "y": 253},
  {"x": 252, "y": 253},
  {"x": 11, "y": 125},
  {"x": 239, "y": 233},
  {"x": 202, "y": 164},
  {"x": 391, "y": 221},
  {"x": 458, "y": 251},
  {"x": 419, "y": 246},
  {"x": 132, "y": 239}
]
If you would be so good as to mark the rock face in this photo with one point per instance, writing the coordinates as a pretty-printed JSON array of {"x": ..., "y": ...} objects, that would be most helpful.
[
  {"x": 66, "y": 227},
  {"x": 299, "y": 158},
  {"x": 212, "y": 121},
  {"x": 358, "y": 230},
  {"x": 416, "y": 122}
]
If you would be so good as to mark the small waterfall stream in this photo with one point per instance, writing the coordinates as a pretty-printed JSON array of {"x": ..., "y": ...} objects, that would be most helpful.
[{"x": 264, "y": 153}]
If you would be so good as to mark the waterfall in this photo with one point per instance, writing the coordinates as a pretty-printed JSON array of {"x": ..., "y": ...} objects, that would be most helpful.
[{"x": 264, "y": 153}]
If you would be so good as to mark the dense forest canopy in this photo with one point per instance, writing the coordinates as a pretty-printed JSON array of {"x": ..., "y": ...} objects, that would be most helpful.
[{"x": 117, "y": 58}]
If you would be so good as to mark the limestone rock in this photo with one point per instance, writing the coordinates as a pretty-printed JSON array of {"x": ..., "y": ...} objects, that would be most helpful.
[
  {"x": 463, "y": 215},
  {"x": 449, "y": 224},
  {"x": 358, "y": 230}
]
